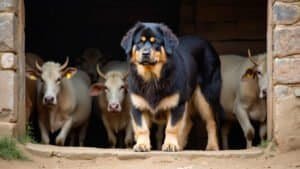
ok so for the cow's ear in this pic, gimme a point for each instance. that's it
(69, 72)
(32, 74)
(125, 86)
(170, 39)
(249, 73)
(127, 40)
(96, 88)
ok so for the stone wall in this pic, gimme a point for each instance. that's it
(11, 68)
(286, 73)
(285, 50)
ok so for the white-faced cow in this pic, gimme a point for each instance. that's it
(63, 102)
(113, 101)
(243, 94)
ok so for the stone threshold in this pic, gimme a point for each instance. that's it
(88, 153)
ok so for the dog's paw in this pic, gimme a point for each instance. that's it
(170, 147)
(142, 147)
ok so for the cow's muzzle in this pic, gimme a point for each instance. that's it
(49, 100)
(114, 107)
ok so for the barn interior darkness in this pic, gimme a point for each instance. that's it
(59, 28)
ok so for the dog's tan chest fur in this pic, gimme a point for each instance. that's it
(165, 104)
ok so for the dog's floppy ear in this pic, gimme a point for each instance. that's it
(127, 40)
(170, 39)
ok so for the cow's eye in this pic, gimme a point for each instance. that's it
(58, 80)
(122, 87)
(259, 73)
(106, 88)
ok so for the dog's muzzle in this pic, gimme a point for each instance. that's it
(146, 60)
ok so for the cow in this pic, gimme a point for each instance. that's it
(243, 94)
(31, 85)
(88, 61)
(63, 102)
(113, 101)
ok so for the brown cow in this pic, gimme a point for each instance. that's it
(31, 85)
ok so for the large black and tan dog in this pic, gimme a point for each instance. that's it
(167, 75)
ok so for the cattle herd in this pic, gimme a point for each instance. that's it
(62, 98)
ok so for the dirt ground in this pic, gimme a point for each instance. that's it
(269, 161)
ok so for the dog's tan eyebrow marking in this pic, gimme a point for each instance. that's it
(152, 39)
(143, 38)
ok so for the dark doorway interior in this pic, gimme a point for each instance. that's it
(56, 29)
(59, 28)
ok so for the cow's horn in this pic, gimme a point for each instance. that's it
(39, 68)
(99, 72)
(65, 64)
(251, 58)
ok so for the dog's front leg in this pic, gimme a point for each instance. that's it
(141, 124)
(176, 124)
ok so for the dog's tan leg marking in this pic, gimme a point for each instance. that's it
(142, 133)
(207, 115)
(176, 135)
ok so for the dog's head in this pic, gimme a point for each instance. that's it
(148, 42)
(149, 45)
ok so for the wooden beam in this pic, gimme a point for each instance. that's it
(270, 98)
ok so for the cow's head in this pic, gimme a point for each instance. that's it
(51, 75)
(115, 89)
(260, 69)
(88, 61)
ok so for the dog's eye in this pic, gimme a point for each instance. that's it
(152, 39)
(143, 38)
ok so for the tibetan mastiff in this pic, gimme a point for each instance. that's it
(168, 76)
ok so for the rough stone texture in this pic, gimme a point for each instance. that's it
(8, 96)
(284, 13)
(8, 61)
(286, 117)
(7, 5)
(7, 129)
(286, 40)
(125, 154)
(288, 0)
(287, 70)
(7, 23)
